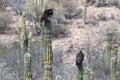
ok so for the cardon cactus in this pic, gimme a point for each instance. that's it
(48, 55)
(79, 72)
(25, 43)
(23, 36)
(23, 32)
(27, 61)
(23, 23)
(27, 67)
(109, 45)
(113, 69)
(114, 63)
(22, 45)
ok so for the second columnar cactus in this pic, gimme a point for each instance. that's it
(48, 55)
(109, 45)
(114, 63)
(27, 67)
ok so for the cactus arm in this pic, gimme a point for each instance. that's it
(29, 41)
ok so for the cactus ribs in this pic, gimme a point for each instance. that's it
(47, 14)
(79, 58)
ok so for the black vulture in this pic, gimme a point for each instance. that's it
(46, 14)
(79, 58)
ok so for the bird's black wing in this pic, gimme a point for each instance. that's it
(46, 14)
(79, 58)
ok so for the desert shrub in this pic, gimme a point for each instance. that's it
(115, 3)
(17, 5)
(58, 31)
(4, 21)
(70, 9)
(105, 16)
(100, 3)
(3, 4)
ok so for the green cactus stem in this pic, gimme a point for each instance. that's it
(22, 44)
(27, 67)
(112, 68)
(23, 24)
(109, 45)
(25, 43)
(24, 32)
(29, 41)
(48, 55)
(79, 72)
(114, 63)
(115, 53)
(22, 38)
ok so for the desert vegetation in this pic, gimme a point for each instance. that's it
(31, 49)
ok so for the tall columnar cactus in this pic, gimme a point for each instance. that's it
(27, 60)
(27, 67)
(23, 32)
(23, 37)
(114, 63)
(48, 55)
(113, 69)
(22, 44)
(109, 45)
(23, 24)
(79, 72)
(25, 43)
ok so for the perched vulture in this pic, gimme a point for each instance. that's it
(46, 14)
(79, 58)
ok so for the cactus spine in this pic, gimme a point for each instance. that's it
(48, 55)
